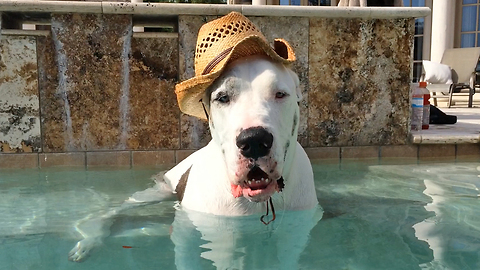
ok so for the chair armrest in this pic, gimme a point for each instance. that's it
(473, 78)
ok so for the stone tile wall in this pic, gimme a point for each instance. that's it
(359, 73)
(19, 101)
(91, 86)
(102, 89)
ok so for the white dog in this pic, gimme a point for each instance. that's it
(254, 122)
(252, 164)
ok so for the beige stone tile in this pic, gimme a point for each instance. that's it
(399, 151)
(360, 152)
(18, 161)
(76, 159)
(153, 158)
(468, 152)
(154, 116)
(19, 101)
(322, 153)
(182, 154)
(86, 107)
(436, 152)
(109, 159)
(359, 81)
(195, 132)
(399, 154)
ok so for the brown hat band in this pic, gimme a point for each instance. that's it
(217, 59)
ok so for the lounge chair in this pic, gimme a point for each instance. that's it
(462, 62)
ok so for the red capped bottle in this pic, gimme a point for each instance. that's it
(426, 105)
(417, 108)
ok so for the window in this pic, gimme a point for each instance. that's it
(470, 28)
(418, 39)
(470, 25)
(307, 2)
(319, 2)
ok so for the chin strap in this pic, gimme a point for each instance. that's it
(281, 185)
(205, 111)
(273, 212)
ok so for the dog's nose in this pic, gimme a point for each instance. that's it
(254, 142)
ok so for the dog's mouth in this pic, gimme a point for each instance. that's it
(257, 187)
(257, 179)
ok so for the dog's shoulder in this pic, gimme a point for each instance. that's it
(303, 195)
(174, 176)
(201, 164)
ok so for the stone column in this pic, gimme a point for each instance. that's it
(443, 26)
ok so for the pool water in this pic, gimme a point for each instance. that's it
(374, 217)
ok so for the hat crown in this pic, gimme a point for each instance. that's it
(220, 42)
(218, 37)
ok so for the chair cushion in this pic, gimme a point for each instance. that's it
(437, 73)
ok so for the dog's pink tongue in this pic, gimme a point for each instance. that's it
(237, 191)
(257, 195)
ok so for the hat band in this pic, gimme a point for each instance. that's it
(216, 60)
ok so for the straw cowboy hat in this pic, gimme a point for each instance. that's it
(220, 42)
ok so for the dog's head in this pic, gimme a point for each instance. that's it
(254, 118)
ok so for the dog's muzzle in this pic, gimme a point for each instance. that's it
(254, 142)
(257, 182)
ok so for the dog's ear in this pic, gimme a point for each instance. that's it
(295, 79)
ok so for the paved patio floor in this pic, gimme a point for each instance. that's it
(466, 130)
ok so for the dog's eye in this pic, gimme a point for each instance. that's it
(280, 95)
(222, 98)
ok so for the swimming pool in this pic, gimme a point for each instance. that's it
(374, 217)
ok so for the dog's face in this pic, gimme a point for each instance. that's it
(254, 118)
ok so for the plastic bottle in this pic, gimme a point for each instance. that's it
(417, 108)
(426, 105)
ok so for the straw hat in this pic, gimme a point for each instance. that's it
(220, 42)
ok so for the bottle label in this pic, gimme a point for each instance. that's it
(417, 102)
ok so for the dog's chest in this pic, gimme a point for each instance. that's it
(217, 199)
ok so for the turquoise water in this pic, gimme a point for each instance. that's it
(374, 217)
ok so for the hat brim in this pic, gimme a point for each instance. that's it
(190, 92)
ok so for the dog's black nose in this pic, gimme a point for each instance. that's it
(254, 142)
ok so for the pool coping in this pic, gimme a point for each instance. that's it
(419, 138)
(210, 9)
(413, 153)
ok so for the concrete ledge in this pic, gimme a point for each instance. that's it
(51, 6)
(419, 138)
(18, 32)
(210, 9)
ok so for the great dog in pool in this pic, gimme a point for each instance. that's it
(248, 94)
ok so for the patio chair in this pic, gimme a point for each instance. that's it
(462, 63)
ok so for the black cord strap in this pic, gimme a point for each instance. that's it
(273, 213)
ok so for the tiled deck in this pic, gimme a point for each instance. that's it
(466, 130)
